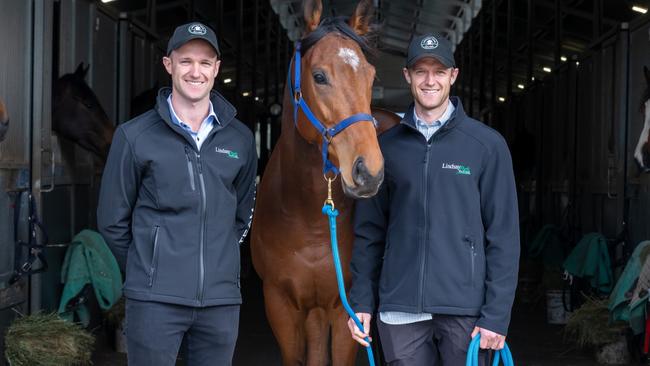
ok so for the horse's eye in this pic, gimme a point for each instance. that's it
(320, 78)
(88, 105)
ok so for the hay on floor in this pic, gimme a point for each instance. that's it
(47, 340)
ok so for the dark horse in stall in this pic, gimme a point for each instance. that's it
(642, 150)
(4, 121)
(290, 240)
(78, 116)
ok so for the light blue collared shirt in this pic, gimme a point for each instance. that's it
(204, 129)
(428, 130)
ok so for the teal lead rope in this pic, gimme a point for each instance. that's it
(331, 212)
(472, 354)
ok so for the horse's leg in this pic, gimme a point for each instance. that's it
(287, 323)
(344, 348)
(317, 327)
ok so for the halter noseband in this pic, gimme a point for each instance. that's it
(327, 133)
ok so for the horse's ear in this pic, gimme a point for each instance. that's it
(646, 72)
(81, 70)
(312, 10)
(362, 17)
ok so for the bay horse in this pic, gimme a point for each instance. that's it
(290, 243)
(642, 150)
(4, 121)
(78, 116)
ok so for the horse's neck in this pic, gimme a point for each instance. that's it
(646, 125)
(3, 113)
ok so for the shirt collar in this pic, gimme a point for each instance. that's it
(212, 116)
(441, 121)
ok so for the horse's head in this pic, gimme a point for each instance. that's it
(336, 83)
(78, 115)
(642, 150)
(4, 121)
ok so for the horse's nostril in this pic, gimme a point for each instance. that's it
(359, 172)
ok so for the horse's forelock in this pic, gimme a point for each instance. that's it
(74, 85)
(335, 25)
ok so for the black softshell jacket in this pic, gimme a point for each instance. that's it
(173, 215)
(442, 234)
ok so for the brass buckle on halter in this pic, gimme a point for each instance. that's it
(329, 200)
(297, 96)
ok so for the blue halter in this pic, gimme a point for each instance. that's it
(327, 133)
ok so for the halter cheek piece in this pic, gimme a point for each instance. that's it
(327, 133)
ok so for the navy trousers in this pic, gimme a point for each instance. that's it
(441, 341)
(154, 332)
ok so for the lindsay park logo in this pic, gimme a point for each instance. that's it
(231, 154)
(460, 169)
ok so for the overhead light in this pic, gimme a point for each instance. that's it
(502, 99)
(245, 94)
(520, 86)
(107, 1)
(563, 58)
(227, 80)
(532, 78)
(547, 69)
(257, 99)
(639, 9)
(577, 63)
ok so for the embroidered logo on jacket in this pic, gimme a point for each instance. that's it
(229, 153)
(460, 169)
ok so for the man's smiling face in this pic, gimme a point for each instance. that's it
(193, 68)
(430, 82)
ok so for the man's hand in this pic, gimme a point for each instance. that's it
(357, 334)
(489, 339)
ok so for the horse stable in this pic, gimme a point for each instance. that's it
(565, 82)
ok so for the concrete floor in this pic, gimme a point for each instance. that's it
(533, 342)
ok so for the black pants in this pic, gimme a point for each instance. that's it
(441, 341)
(154, 332)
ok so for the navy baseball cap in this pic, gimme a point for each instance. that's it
(187, 32)
(430, 45)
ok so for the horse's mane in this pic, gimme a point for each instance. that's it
(335, 25)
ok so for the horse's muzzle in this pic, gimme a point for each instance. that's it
(366, 184)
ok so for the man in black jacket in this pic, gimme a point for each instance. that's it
(436, 250)
(175, 204)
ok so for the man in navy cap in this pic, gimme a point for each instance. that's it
(437, 249)
(176, 202)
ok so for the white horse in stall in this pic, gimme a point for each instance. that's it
(642, 150)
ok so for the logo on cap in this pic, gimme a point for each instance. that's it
(197, 29)
(429, 43)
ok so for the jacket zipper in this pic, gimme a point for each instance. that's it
(423, 249)
(238, 267)
(473, 259)
(152, 269)
(190, 169)
(202, 235)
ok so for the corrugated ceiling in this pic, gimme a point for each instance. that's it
(399, 20)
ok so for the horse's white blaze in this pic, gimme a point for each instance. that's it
(638, 153)
(349, 57)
